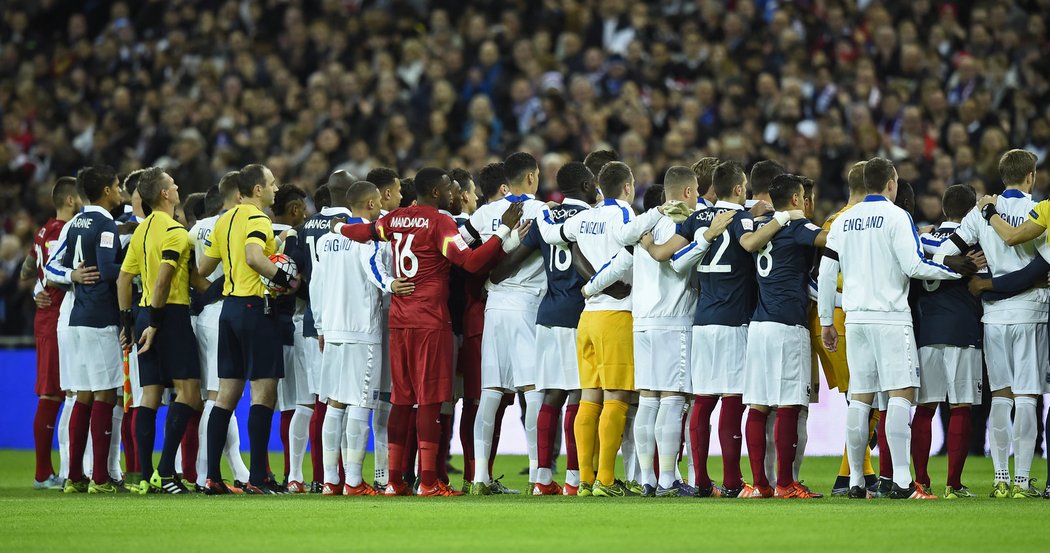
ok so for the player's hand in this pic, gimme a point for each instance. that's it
(335, 221)
(760, 208)
(647, 241)
(85, 275)
(127, 228)
(830, 336)
(146, 341)
(402, 287)
(678, 211)
(978, 259)
(512, 216)
(320, 343)
(42, 300)
(617, 290)
(986, 201)
(523, 229)
(978, 286)
(961, 264)
(719, 225)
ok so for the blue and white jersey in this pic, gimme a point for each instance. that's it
(727, 270)
(783, 267)
(529, 278)
(948, 313)
(312, 231)
(91, 239)
(563, 303)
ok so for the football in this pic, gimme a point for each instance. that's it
(288, 265)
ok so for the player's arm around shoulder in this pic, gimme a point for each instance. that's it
(1033, 227)
(753, 239)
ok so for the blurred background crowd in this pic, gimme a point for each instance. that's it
(312, 86)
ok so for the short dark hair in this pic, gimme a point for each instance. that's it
(229, 184)
(614, 178)
(91, 181)
(64, 188)
(654, 197)
(491, 177)
(958, 200)
(381, 177)
(518, 165)
(194, 205)
(572, 175)
(704, 169)
(1015, 165)
(600, 158)
(285, 195)
(726, 176)
(762, 175)
(808, 185)
(877, 172)
(461, 176)
(905, 197)
(150, 184)
(213, 202)
(678, 177)
(250, 176)
(408, 192)
(131, 181)
(341, 176)
(783, 187)
(427, 179)
(855, 177)
(359, 191)
(322, 197)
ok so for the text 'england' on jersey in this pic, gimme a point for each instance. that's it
(563, 303)
(727, 270)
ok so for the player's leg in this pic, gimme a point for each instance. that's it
(402, 397)
(533, 405)
(997, 350)
(1029, 369)
(468, 364)
(79, 418)
(49, 391)
(730, 370)
(116, 422)
(643, 426)
(182, 367)
(898, 373)
(546, 431)
(964, 378)
(447, 417)
(433, 368)
(312, 365)
(614, 355)
(669, 440)
(493, 353)
(296, 382)
(759, 374)
(628, 451)
(105, 373)
(863, 384)
(230, 372)
(572, 462)
(361, 391)
(585, 425)
(63, 435)
(332, 437)
(933, 389)
(380, 430)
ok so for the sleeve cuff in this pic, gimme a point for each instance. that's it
(782, 217)
(827, 321)
(503, 232)
(338, 229)
(587, 290)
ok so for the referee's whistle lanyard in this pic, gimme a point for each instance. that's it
(267, 309)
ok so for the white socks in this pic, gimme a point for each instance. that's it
(898, 436)
(856, 440)
(645, 438)
(484, 423)
(331, 438)
(232, 451)
(202, 438)
(356, 444)
(380, 419)
(63, 437)
(688, 449)
(770, 460)
(999, 436)
(533, 403)
(1025, 435)
(298, 436)
(803, 437)
(627, 446)
(114, 443)
(668, 437)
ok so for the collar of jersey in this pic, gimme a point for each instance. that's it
(948, 225)
(96, 209)
(356, 220)
(1013, 193)
(281, 227)
(574, 201)
(730, 205)
(512, 198)
(333, 211)
(616, 202)
(876, 198)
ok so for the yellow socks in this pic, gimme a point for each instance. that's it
(610, 434)
(586, 429)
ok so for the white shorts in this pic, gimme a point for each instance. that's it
(349, 373)
(508, 346)
(207, 330)
(779, 366)
(556, 367)
(98, 362)
(312, 362)
(949, 371)
(294, 388)
(1017, 357)
(661, 360)
(719, 354)
(66, 357)
(881, 357)
(133, 377)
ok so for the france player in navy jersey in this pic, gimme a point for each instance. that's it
(778, 372)
(558, 315)
(92, 240)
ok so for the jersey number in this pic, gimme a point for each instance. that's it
(78, 254)
(407, 263)
(560, 259)
(714, 266)
(764, 262)
(311, 243)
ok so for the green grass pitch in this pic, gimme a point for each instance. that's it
(51, 521)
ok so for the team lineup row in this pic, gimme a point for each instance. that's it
(581, 305)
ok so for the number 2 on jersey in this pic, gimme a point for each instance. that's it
(713, 266)
(406, 261)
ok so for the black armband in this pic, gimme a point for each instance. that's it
(156, 316)
(127, 321)
(988, 211)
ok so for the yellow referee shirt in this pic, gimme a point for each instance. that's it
(1040, 214)
(157, 240)
(238, 227)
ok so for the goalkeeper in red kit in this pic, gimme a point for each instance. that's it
(425, 245)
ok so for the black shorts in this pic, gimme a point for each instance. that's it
(249, 345)
(173, 355)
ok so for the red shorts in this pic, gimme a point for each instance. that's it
(420, 366)
(45, 327)
(469, 366)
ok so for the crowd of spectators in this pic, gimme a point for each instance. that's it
(311, 86)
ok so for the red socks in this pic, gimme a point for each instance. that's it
(411, 444)
(190, 446)
(885, 461)
(43, 435)
(443, 447)
(428, 427)
(729, 438)
(466, 437)
(79, 424)
(959, 429)
(286, 424)
(545, 431)
(755, 432)
(572, 462)
(127, 439)
(785, 434)
(921, 437)
(316, 451)
(101, 434)
(397, 429)
(700, 437)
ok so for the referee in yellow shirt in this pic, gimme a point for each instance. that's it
(159, 252)
(249, 345)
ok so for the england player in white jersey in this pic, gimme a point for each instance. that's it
(1015, 328)
(875, 247)
(207, 332)
(508, 343)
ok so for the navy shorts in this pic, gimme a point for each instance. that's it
(249, 345)
(173, 355)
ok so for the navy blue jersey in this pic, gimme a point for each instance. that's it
(948, 313)
(457, 287)
(563, 302)
(727, 270)
(284, 306)
(92, 240)
(314, 227)
(783, 267)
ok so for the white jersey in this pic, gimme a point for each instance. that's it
(346, 290)
(483, 224)
(876, 248)
(200, 236)
(1013, 206)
